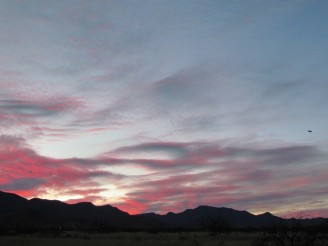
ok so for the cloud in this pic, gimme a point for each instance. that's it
(231, 190)
(29, 108)
(195, 173)
(38, 118)
(23, 170)
(176, 150)
(174, 99)
(22, 184)
(221, 175)
(8, 143)
(155, 87)
(202, 153)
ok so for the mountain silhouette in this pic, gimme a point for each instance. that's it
(18, 213)
(191, 218)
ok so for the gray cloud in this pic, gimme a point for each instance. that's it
(126, 75)
(22, 184)
(197, 173)
(178, 150)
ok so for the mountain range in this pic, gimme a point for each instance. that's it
(18, 213)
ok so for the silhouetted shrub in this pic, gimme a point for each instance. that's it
(215, 225)
(294, 232)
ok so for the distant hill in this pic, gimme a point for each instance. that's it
(192, 218)
(17, 213)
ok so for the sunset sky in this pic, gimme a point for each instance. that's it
(157, 106)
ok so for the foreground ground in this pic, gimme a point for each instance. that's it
(131, 239)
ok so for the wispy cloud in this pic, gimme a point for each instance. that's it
(51, 107)
(23, 170)
(155, 107)
(191, 174)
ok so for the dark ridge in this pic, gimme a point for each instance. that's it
(50, 215)
(84, 205)
(10, 203)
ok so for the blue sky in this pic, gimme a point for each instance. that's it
(111, 101)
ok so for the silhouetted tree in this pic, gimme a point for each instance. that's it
(215, 225)
(294, 232)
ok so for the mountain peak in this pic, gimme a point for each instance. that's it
(44, 200)
(37, 212)
(266, 215)
(84, 204)
(7, 195)
(203, 206)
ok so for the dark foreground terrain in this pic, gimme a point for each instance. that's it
(145, 238)
(132, 238)
(50, 222)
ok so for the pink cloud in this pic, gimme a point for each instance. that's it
(197, 174)
(26, 172)
(132, 206)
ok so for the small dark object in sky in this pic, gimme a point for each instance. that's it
(309, 130)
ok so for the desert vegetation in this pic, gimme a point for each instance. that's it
(280, 234)
(294, 232)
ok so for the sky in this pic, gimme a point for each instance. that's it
(158, 106)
